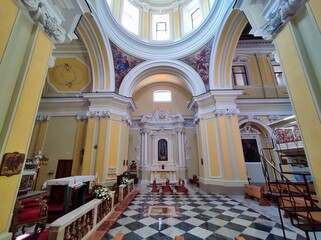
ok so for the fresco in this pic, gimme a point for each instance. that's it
(123, 63)
(200, 62)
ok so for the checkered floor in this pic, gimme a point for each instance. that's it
(202, 216)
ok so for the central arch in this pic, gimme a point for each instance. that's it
(192, 80)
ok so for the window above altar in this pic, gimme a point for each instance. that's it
(162, 96)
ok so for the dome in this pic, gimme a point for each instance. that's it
(158, 29)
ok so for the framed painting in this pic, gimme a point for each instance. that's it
(250, 150)
(162, 150)
(12, 164)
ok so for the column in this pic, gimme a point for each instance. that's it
(144, 133)
(181, 152)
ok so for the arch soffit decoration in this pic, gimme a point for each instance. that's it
(100, 53)
(223, 49)
(148, 68)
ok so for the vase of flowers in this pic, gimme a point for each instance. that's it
(102, 193)
(125, 180)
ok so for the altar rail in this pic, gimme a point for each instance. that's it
(83, 221)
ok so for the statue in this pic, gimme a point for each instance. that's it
(162, 150)
(154, 187)
(133, 166)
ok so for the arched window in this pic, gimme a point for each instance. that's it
(162, 96)
(161, 27)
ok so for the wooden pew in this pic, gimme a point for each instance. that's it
(252, 191)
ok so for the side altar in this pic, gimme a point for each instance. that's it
(162, 146)
(162, 172)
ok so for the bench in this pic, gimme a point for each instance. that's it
(252, 191)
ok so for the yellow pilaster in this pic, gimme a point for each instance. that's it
(301, 96)
(41, 135)
(238, 150)
(176, 24)
(316, 10)
(39, 51)
(78, 146)
(255, 73)
(212, 147)
(8, 13)
(145, 25)
(114, 142)
(263, 65)
(200, 149)
(101, 148)
(88, 146)
(224, 142)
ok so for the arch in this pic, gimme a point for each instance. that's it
(258, 123)
(223, 50)
(148, 68)
(99, 51)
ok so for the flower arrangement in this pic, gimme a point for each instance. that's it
(102, 193)
(125, 180)
(30, 164)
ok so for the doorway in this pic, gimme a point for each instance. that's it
(64, 168)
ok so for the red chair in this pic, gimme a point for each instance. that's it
(27, 213)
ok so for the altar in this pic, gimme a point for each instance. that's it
(162, 172)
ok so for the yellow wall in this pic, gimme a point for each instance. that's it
(8, 13)
(11, 66)
(304, 106)
(25, 111)
(144, 100)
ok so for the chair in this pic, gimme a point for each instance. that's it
(29, 212)
(59, 201)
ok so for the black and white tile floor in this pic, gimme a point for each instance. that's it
(202, 216)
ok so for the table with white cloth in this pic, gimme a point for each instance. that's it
(70, 181)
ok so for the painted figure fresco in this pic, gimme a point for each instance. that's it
(123, 63)
(200, 62)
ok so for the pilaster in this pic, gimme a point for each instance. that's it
(222, 165)
(78, 151)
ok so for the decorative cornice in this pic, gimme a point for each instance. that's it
(82, 117)
(40, 14)
(227, 112)
(104, 114)
(92, 114)
(43, 118)
(280, 16)
(127, 119)
(163, 116)
(51, 62)
(273, 14)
